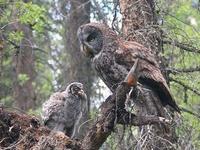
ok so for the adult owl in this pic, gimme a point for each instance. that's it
(113, 57)
(62, 112)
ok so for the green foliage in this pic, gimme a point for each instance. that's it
(26, 13)
(7, 101)
(182, 24)
(182, 29)
(22, 78)
(2, 2)
(189, 131)
(16, 36)
(15, 15)
(31, 14)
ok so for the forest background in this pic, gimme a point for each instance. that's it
(39, 54)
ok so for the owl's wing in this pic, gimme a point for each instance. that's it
(73, 113)
(149, 71)
(77, 124)
(52, 107)
(130, 50)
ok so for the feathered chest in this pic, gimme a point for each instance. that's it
(72, 102)
(72, 108)
(108, 69)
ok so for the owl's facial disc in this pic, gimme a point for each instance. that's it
(91, 40)
(77, 89)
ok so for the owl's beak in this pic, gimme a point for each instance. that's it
(87, 49)
(82, 93)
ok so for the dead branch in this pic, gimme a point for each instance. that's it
(127, 118)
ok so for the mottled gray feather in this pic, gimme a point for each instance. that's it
(63, 109)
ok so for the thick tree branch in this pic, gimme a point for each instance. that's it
(21, 131)
(112, 111)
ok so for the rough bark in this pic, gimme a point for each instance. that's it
(139, 24)
(113, 112)
(1, 56)
(21, 131)
(76, 66)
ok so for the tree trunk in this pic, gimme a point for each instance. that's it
(23, 69)
(139, 24)
(139, 20)
(77, 67)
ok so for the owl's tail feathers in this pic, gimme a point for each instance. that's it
(166, 98)
(174, 106)
(162, 91)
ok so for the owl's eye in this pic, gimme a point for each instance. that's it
(91, 37)
(76, 88)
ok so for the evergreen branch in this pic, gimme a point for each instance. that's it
(183, 46)
(183, 70)
(185, 86)
(190, 112)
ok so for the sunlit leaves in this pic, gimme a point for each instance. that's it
(32, 15)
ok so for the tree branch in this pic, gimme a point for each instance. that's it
(185, 86)
(20, 130)
(186, 47)
(183, 70)
(18, 46)
(127, 118)
(190, 112)
(111, 111)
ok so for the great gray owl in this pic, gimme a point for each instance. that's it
(63, 110)
(113, 57)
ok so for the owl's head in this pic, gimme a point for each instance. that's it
(76, 89)
(93, 36)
